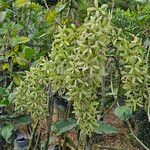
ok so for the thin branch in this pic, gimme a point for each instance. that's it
(107, 147)
(33, 135)
(37, 141)
(65, 117)
(136, 138)
(50, 113)
(119, 87)
(146, 80)
(46, 5)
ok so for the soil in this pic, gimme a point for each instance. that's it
(120, 141)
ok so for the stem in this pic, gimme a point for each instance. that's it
(37, 141)
(136, 138)
(66, 116)
(46, 4)
(88, 144)
(78, 139)
(119, 87)
(33, 135)
(132, 133)
(69, 9)
(146, 80)
(103, 96)
(50, 112)
(110, 148)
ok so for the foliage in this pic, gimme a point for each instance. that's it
(72, 49)
(77, 64)
(87, 59)
(64, 125)
(143, 126)
(25, 36)
(134, 21)
(104, 128)
(31, 94)
(135, 72)
(123, 112)
(125, 5)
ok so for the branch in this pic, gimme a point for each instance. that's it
(33, 135)
(50, 113)
(136, 138)
(119, 87)
(146, 80)
(110, 148)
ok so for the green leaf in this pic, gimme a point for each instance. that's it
(64, 125)
(23, 119)
(29, 52)
(5, 66)
(22, 3)
(104, 128)
(2, 91)
(11, 97)
(7, 131)
(19, 40)
(60, 7)
(50, 16)
(23, 39)
(2, 16)
(4, 102)
(3, 30)
(123, 112)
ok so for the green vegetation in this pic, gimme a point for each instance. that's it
(81, 58)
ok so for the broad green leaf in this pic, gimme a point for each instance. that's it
(64, 125)
(23, 119)
(123, 112)
(4, 102)
(104, 128)
(7, 131)
(29, 52)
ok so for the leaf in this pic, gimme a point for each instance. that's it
(11, 97)
(3, 30)
(16, 79)
(82, 4)
(5, 66)
(7, 131)
(29, 52)
(123, 112)
(23, 39)
(50, 16)
(19, 40)
(4, 102)
(104, 128)
(2, 16)
(22, 3)
(23, 119)
(60, 7)
(64, 125)
(2, 91)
